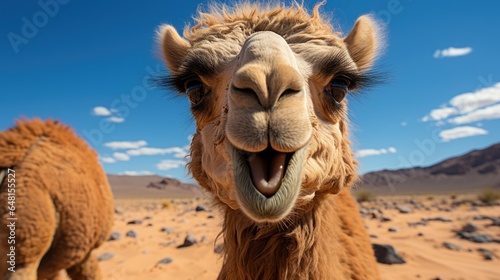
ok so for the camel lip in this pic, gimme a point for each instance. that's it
(258, 206)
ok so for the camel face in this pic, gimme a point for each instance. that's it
(270, 106)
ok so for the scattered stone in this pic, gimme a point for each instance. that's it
(167, 229)
(385, 219)
(131, 233)
(134, 222)
(200, 208)
(403, 209)
(165, 261)
(118, 211)
(105, 257)
(487, 254)
(437, 219)
(437, 278)
(495, 222)
(189, 241)
(415, 224)
(203, 239)
(481, 217)
(477, 238)
(451, 246)
(219, 248)
(210, 217)
(373, 236)
(420, 234)
(469, 228)
(387, 254)
(393, 229)
(114, 236)
(147, 218)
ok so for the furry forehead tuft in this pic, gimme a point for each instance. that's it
(253, 17)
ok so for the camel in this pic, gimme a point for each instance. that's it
(267, 87)
(63, 203)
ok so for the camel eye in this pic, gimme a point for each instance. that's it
(195, 90)
(338, 88)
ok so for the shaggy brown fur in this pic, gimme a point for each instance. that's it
(64, 205)
(316, 232)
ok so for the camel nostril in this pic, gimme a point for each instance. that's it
(248, 91)
(289, 91)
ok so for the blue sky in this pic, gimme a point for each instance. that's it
(86, 63)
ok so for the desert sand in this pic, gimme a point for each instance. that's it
(161, 225)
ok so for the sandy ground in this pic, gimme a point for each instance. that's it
(421, 246)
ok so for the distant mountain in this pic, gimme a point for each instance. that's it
(476, 170)
(151, 186)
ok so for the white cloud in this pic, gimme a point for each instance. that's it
(137, 173)
(442, 113)
(167, 164)
(107, 159)
(404, 123)
(121, 156)
(178, 152)
(461, 132)
(468, 102)
(125, 144)
(116, 119)
(374, 152)
(451, 52)
(488, 113)
(468, 107)
(100, 111)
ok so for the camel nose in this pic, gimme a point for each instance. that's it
(267, 84)
(267, 97)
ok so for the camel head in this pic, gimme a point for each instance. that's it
(267, 88)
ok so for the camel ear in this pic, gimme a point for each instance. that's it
(363, 42)
(173, 46)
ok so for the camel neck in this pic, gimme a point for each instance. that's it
(329, 241)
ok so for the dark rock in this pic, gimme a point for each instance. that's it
(495, 222)
(403, 209)
(393, 229)
(481, 217)
(200, 208)
(165, 261)
(451, 246)
(105, 257)
(219, 248)
(385, 219)
(134, 222)
(469, 228)
(387, 254)
(147, 218)
(131, 233)
(420, 234)
(373, 236)
(477, 238)
(166, 229)
(438, 219)
(415, 224)
(487, 254)
(210, 217)
(437, 278)
(114, 236)
(189, 241)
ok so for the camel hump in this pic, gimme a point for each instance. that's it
(16, 141)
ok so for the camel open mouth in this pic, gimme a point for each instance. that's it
(267, 183)
(267, 170)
